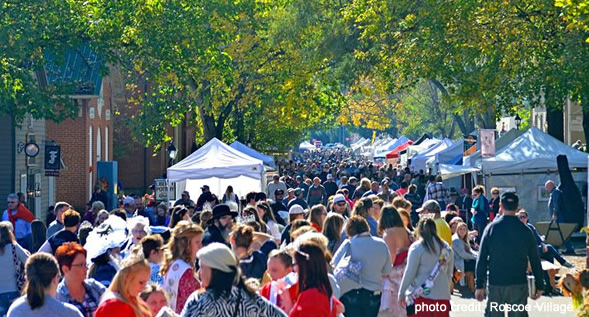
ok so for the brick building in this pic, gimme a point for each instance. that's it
(88, 138)
(139, 165)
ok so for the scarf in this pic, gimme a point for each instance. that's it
(21, 213)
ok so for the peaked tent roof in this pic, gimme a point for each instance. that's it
(419, 161)
(533, 150)
(451, 155)
(424, 137)
(398, 142)
(422, 147)
(267, 159)
(395, 153)
(475, 158)
(216, 159)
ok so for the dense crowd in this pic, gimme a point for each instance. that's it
(332, 235)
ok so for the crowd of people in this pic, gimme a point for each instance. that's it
(329, 237)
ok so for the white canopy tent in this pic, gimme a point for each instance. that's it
(533, 150)
(267, 159)
(449, 171)
(451, 155)
(217, 165)
(474, 159)
(418, 162)
(410, 152)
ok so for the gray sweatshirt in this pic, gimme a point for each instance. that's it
(420, 264)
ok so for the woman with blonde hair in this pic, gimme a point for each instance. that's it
(122, 298)
(101, 216)
(464, 257)
(42, 273)
(178, 268)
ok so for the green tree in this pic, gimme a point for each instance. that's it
(214, 63)
(487, 57)
(28, 31)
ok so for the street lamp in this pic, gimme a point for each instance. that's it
(34, 191)
(172, 152)
(518, 121)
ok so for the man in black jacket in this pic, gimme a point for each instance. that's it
(506, 247)
(219, 225)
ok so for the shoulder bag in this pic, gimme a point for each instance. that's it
(19, 268)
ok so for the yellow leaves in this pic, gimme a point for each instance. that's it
(368, 105)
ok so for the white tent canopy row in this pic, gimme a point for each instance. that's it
(533, 150)
(418, 162)
(449, 171)
(411, 151)
(217, 165)
(474, 159)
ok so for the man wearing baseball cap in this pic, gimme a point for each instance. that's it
(298, 200)
(507, 247)
(330, 186)
(185, 200)
(431, 208)
(277, 206)
(274, 185)
(204, 197)
(295, 212)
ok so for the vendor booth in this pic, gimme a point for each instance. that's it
(217, 165)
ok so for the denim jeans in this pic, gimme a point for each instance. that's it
(5, 300)
(551, 255)
(361, 303)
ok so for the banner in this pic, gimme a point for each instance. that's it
(470, 144)
(52, 157)
(487, 142)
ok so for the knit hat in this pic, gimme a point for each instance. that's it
(218, 256)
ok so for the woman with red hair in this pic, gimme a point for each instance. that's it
(75, 289)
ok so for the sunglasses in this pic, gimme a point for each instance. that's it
(523, 217)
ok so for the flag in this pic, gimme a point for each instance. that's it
(470, 144)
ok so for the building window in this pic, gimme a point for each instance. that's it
(98, 145)
(106, 158)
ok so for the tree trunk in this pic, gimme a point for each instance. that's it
(555, 121)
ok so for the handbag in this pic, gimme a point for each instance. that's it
(347, 268)
(19, 268)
